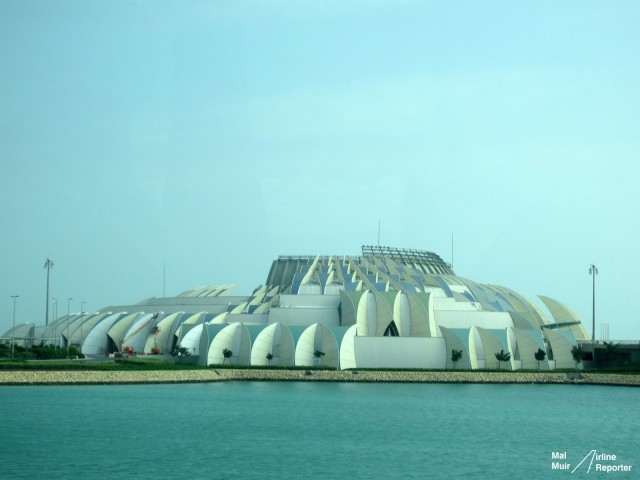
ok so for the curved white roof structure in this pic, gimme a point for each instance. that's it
(96, 339)
(327, 304)
(234, 338)
(317, 339)
(135, 337)
(275, 340)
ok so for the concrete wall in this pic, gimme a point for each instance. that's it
(323, 301)
(304, 316)
(400, 352)
(249, 318)
(462, 319)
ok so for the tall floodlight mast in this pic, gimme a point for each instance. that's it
(55, 319)
(593, 271)
(13, 329)
(48, 265)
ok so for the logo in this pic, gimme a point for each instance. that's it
(592, 462)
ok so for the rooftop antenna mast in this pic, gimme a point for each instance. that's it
(378, 232)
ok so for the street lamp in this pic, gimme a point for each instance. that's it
(48, 265)
(13, 330)
(55, 319)
(81, 319)
(68, 314)
(593, 271)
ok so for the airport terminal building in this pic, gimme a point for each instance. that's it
(385, 308)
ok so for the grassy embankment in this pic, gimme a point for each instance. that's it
(151, 364)
(107, 366)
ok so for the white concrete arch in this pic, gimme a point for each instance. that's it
(73, 322)
(194, 292)
(366, 317)
(21, 334)
(263, 308)
(392, 266)
(240, 308)
(234, 337)
(337, 274)
(83, 326)
(51, 333)
(524, 320)
(561, 342)
(317, 337)
(219, 319)
(349, 302)
(96, 341)
(492, 343)
(191, 340)
(188, 324)
(162, 338)
(56, 334)
(310, 284)
(402, 314)
(347, 349)
(119, 329)
(411, 314)
(54, 330)
(537, 312)
(374, 313)
(422, 318)
(457, 339)
(528, 343)
(560, 313)
(563, 314)
(277, 340)
(259, 289)
(209, 291)
(136, 336)
(334, 284)
(522, 304)
(360, 277)
(476, 352)
(257, 300)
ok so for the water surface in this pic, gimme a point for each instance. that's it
(263, 430)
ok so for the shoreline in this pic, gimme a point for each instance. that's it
(88, 377)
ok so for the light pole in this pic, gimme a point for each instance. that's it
(593, 271)
(48, 265)
(55, 319)
(81, 319)
(13, 330)
(68, 315)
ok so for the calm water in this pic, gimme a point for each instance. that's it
(305, 430)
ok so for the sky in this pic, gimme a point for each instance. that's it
(150, 145)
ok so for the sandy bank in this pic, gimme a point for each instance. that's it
(225, 375)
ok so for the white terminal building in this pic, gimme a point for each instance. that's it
(386, 308)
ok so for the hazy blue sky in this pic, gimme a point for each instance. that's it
(217, 135)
